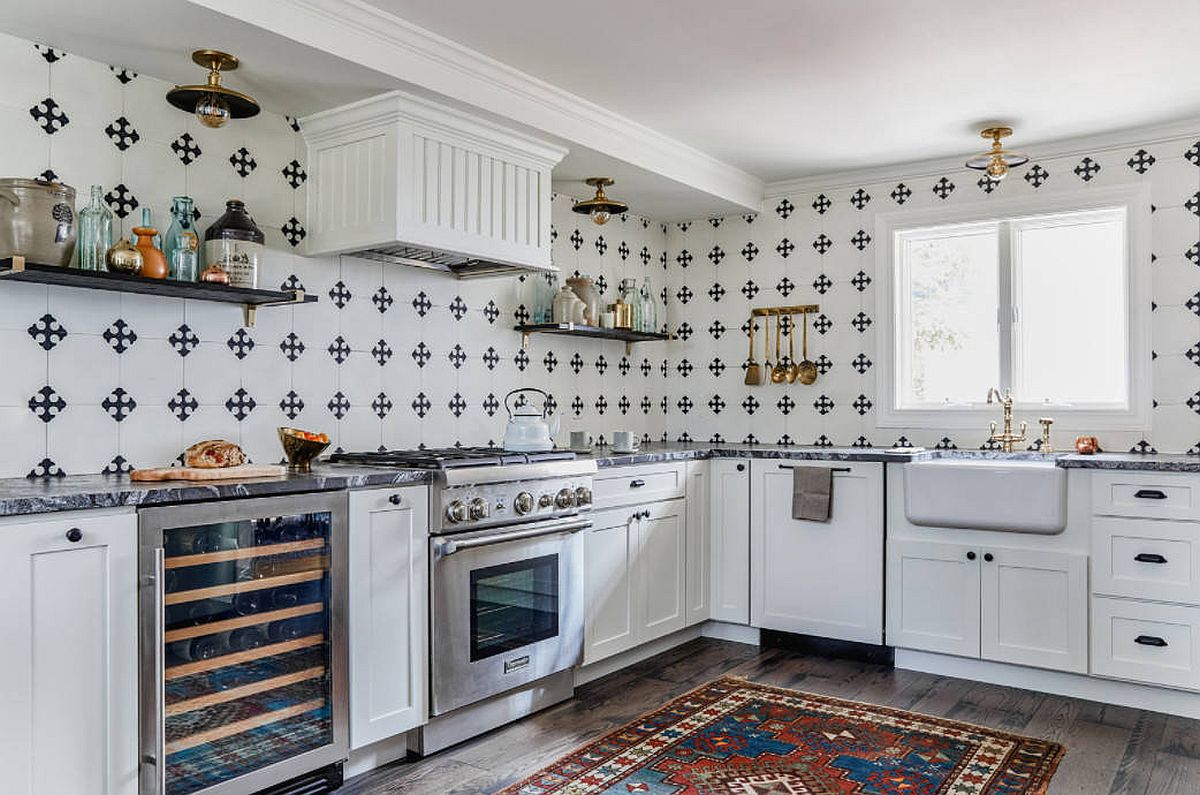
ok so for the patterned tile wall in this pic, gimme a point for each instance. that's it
(816, 248)
(389, 356)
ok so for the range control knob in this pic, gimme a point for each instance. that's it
(456, 512)
(583, 496)
(565, 498)
(523, 504)
(545, 501)
(479, 509)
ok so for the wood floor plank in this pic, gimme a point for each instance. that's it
(1110, 749)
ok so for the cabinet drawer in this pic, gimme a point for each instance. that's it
(1146, 559)
(1151, 496)
(637, 484)
(51, 530)
(1144, 642)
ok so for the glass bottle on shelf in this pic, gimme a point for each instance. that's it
(235, 244)
(182, 245)
(95, 232)
(649, 309)
(148, 220)
(547, 289)
(629, 295)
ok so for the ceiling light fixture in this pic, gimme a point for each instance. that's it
(600, 207)
(999, 160)
(213, 103)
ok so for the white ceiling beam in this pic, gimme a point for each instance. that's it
(368, 36)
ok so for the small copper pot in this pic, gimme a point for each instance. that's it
(1087, 445)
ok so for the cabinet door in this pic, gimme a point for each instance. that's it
(933, 597)
(68, 671)
(610, 548)
(729, 539)
(818, 578)
(1034, 608)
(389, 604)
(661, 563)
(698, 590)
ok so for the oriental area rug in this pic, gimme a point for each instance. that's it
(735, 737)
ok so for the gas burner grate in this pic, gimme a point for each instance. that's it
(449, 457)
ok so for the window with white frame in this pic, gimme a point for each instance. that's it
(1044, 304)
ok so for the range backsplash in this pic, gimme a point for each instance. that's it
(389, 356)
(817, 247)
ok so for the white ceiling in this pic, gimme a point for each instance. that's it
(789, 88)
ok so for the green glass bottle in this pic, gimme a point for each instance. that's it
(95, 232)
(182, 244)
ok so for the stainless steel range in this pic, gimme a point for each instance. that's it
(506, 583)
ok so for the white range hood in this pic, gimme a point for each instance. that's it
(402, 179)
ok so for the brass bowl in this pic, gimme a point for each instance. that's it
(300, 452)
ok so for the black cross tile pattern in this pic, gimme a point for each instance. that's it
(861, 239)
(684, 258)
(382, 299)
(50, 54)
(338, 405)
(491, 404)
(240, 404)
(1087, 169)
(749, 289)
(458, 308)
(784, 209)
(1141, 161)
(421, 303)
(186, 149)
(183, 404)
(521, 360)
(821, 244)
(382, 405)
(124, 76)
(46, 404)
(822, 204)
(121, 201)
(1037, 176)
(715, 255)
(240, 343)
(49, 116)
(294, 232)
(117, 466)
(860, 198)
(943, 188)
(491, 358)
(243, 162)
(340, 294)
(183, 340)
(1192, 205)
(120, 336)
(47, 176)
(458, 357)
(45, 469)
(47, 331)
(421, 354)
(601, 245)
(822, 284)
(749, 251)
(491, 312)
(291, 405)
(623, 250)
(294, 174)
(576, 239)
(122, 133)
(987, 184)
(119, 404)
(901, 193)
(860, 281)
(785, 248)
(292, 282)
(339, 349)
(381, 352)
(291, 346)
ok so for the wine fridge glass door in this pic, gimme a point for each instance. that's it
(244, 611)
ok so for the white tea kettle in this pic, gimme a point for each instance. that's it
(530, 429)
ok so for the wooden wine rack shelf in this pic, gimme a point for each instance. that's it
(184, 561)
(237, 727)
(251, 620)
(234, 693)
(228, 589)
(237, 658)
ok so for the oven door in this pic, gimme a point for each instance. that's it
(507, 609)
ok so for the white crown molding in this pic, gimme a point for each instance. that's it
(1066, 147)
(376, 39)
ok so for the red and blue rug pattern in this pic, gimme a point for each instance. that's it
(736, 737)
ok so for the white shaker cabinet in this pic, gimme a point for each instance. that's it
(933, 597)
(698, 590)
(634, 576)
(818, 578)
(729, 539)
(68, 670)
(388, 612)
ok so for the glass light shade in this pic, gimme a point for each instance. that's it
(212, 110)
(600, 216)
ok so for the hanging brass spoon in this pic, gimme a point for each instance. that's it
(779, 371)
(753, 373)
(806, 371)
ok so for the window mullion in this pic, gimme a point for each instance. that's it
(1005, 310)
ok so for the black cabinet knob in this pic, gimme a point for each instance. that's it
(741, 467)
(1149, 557)
(1149, 494)
(1150, 640)
(74, 534)
(394, 499)
(970, 556)
(636, 483)
(987, 556)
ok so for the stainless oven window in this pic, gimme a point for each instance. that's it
(513, 605)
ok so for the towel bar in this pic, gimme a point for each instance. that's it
(835, 469)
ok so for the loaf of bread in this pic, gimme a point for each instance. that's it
(213, 454)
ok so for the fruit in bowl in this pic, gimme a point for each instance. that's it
(302, 447)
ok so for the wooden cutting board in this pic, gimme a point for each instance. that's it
(243, 472)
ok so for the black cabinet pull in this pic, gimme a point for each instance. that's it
(1149, 494)
(394, 499)
(1149, 557)
(637, 483)
(970, 556)
(1150, 640)
(741, 467)
(988, 557)
(74, 534)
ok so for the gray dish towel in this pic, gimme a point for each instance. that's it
(812, 489)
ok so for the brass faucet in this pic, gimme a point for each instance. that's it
(1007, 438)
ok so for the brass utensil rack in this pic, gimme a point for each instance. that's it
(777, 312)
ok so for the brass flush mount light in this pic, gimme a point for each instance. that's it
(213, 103)
(999, 160)
(600, 207)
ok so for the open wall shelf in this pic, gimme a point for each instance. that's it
(628, 336)
(17, 269)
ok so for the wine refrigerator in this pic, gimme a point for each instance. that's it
(243, 661)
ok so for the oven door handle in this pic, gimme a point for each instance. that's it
(448, 546)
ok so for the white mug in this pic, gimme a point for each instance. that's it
(581, 440)
(625, 442)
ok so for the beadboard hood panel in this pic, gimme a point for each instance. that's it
(401, 179)
(388, 356)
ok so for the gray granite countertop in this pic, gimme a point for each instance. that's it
(79, 492)
(20, 496)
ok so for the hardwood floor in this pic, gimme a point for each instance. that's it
(1110, 749)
